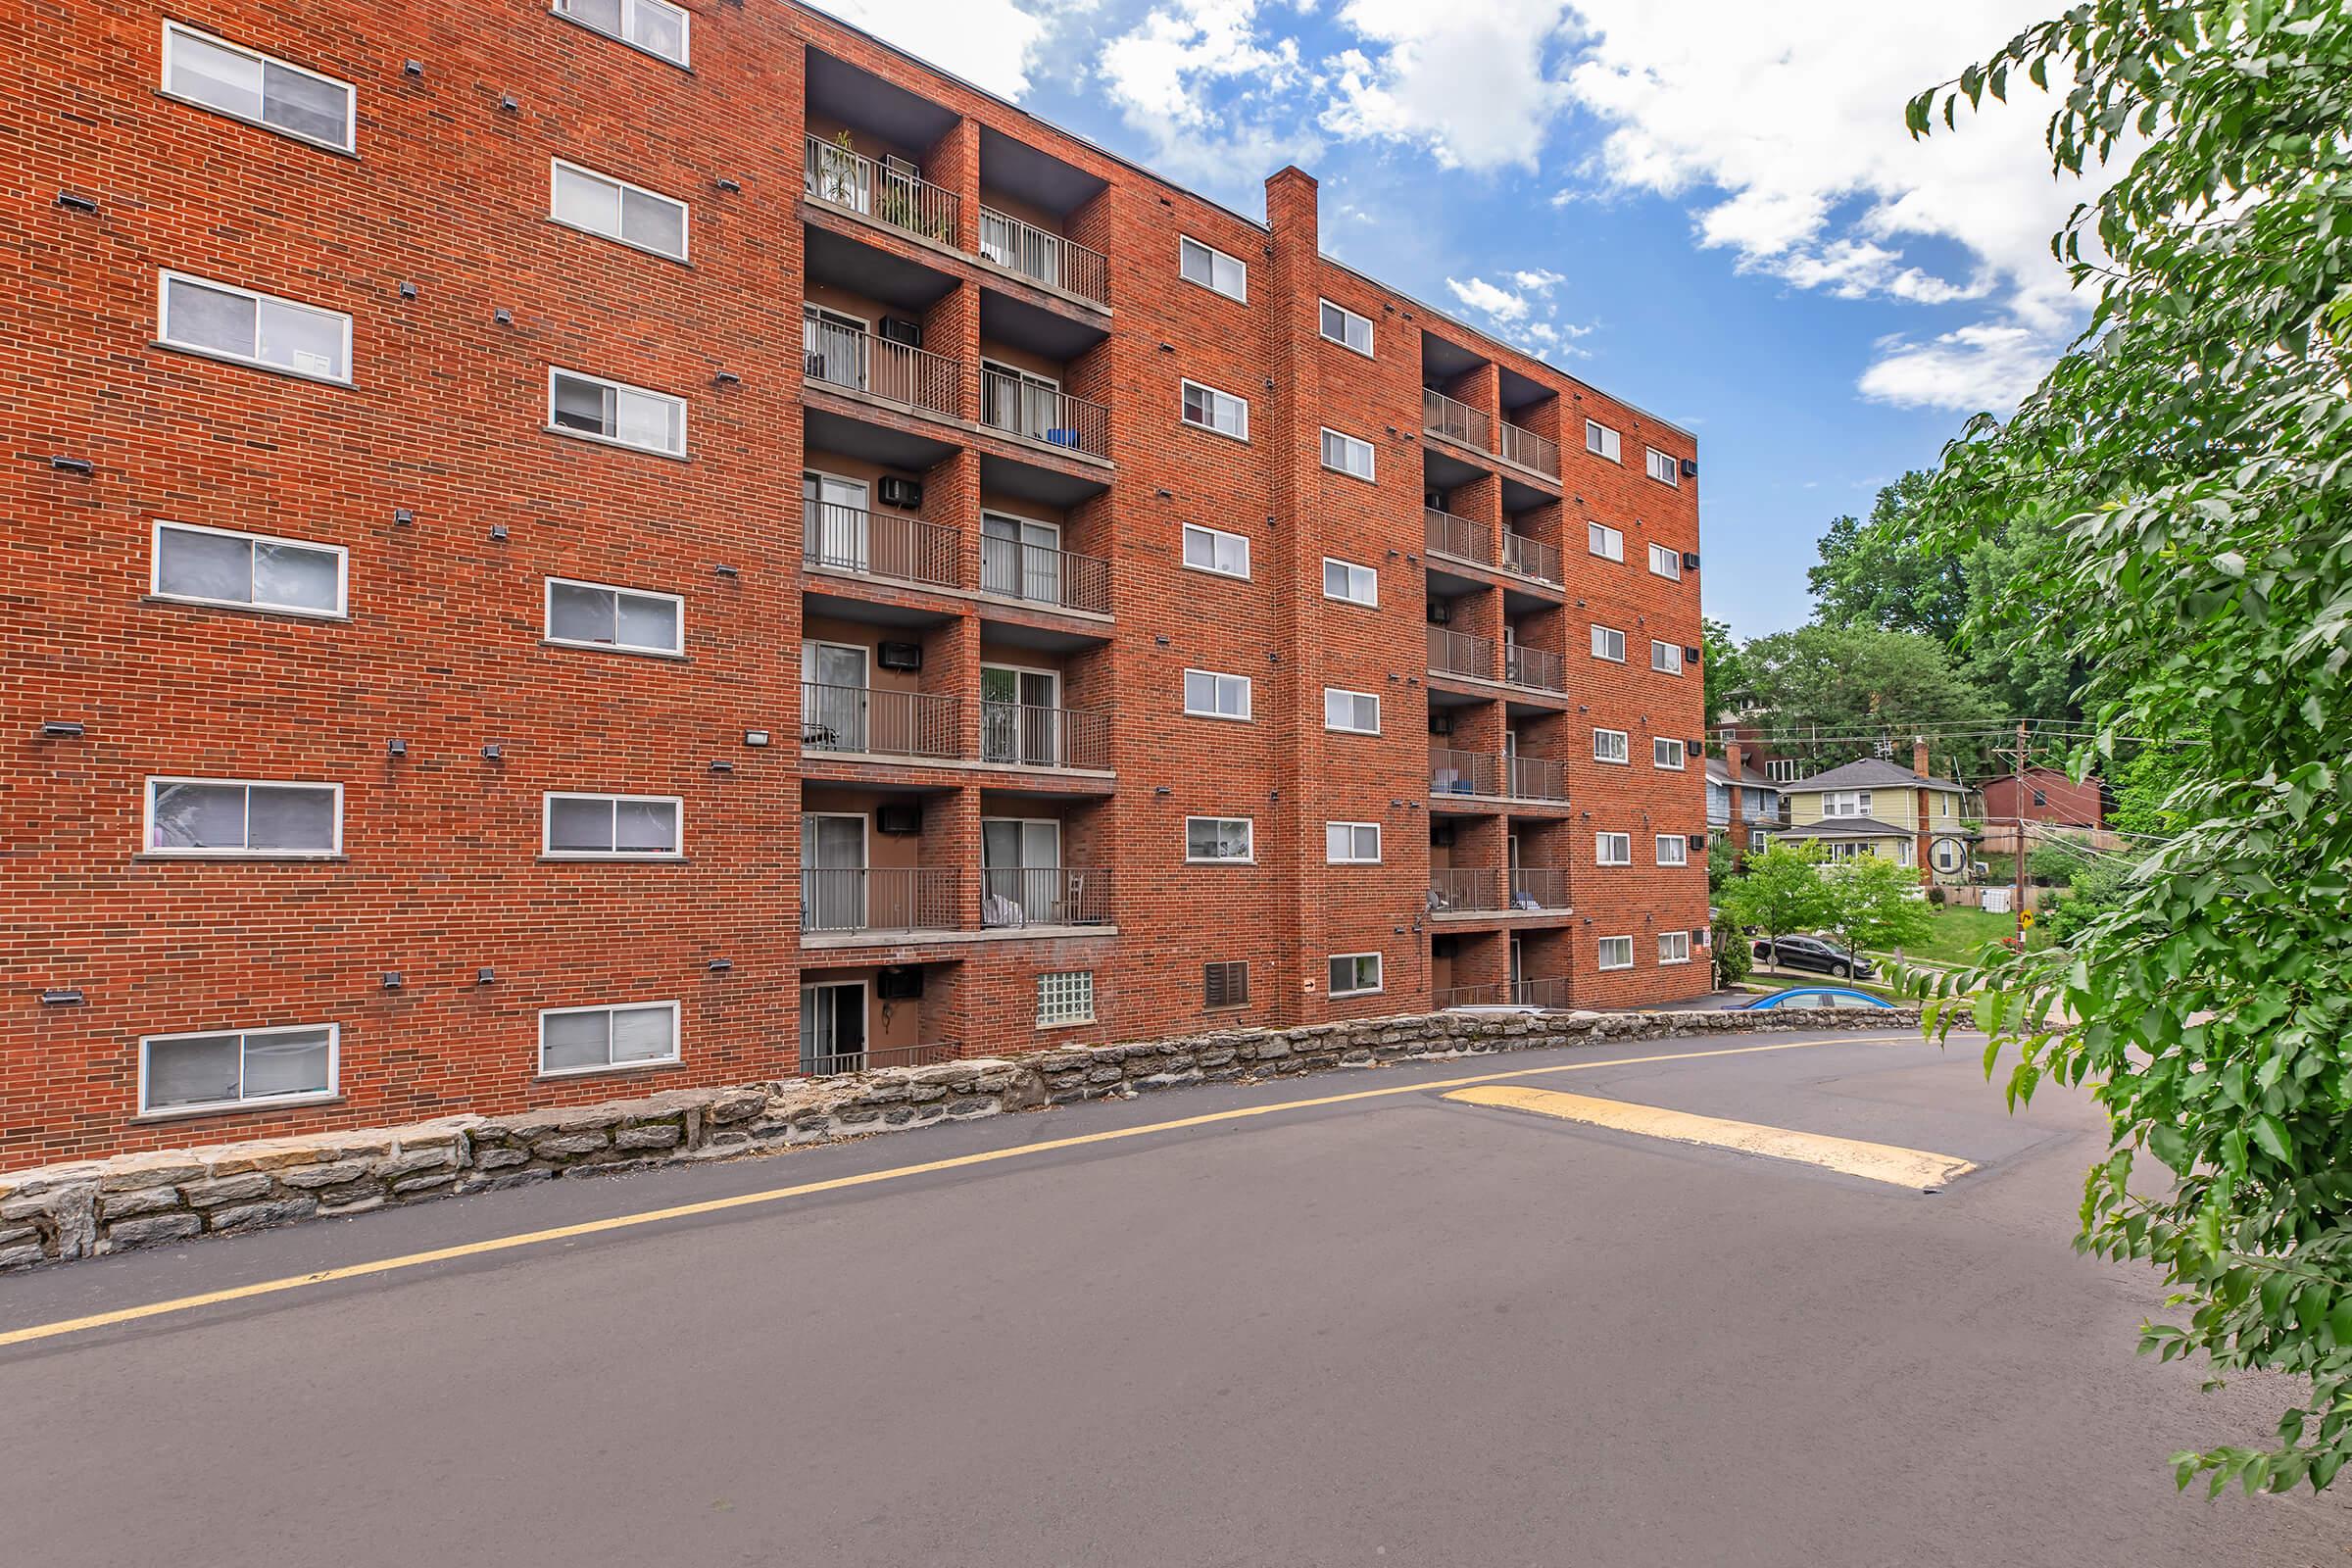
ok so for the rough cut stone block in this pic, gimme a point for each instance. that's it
(157, 1228)
(659, 1136)
(569, 1146)
(499, 1158)
(739, 1106)
(134, 1171)
(312, 1177)
(431, 1181)
(20, 1257)
(228, 1189)
(146, 1200)
(408, 1162)
(254, 1216)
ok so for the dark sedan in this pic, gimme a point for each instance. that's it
(1811, 952)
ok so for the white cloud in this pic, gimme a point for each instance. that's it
(1540, 281)
(990, 43)
(1989, 366)
(1463, 78)
(1509, 314)
(1484, 297)
(1199, 78)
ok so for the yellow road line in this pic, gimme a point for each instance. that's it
(1878, 1162)
(715, 1205)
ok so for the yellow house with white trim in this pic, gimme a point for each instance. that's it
(1872, 808)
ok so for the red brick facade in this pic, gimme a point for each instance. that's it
(437, 470)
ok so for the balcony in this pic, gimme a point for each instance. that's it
(1449, 535)
(1457, 653)
(1456, 421)
(1458, 772)
(895, 373)
(879, 544)
(1020, 406)
(1053, 895)
(869, 721)
(1547, 992)
(1536, 778)
(1041, 574)
(1476, 890)
(826, 1062)
(855, 183)
(1025, 735)
(1529, 450)
(1530, 558)
(899, 899)
(1045, 258)
(1538, 888)
(1534, 668)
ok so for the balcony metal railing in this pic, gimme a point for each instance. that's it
(1457, 653)
(1049, 895)
(828, 1061)
(1458, 772)
(1531, 558)
(1459, 421)
(1547, 992)
(1535, 669)
(1459, 891)
(1529, 450)
(1053, 260)
(1539, 887)
(1043, 576)
(1537, 778)
(1450, 535)
(889, 898)
(880, 544)
(881, 722)
(1035, 413)
(1026, 735)
(856, 183)
(898, 372)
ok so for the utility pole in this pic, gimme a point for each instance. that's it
(2018, 860)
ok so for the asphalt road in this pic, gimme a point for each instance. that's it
(1396, 1330)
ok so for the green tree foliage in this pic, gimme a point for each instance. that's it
(1724, 669)
(1875, 903)
(2192, 456)
(1844, 682)
(2052, 862)
(1875, 577)
(1733, 962)
(1780, 893)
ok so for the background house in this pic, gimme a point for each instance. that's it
(1875, 806)
(1758, 810)
(2043, 795)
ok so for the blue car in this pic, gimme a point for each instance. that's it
(1817, 997)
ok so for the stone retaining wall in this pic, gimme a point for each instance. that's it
(56, 1212)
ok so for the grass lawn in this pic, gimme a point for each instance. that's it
(1958, 933)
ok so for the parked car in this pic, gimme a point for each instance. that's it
(1815, 997)
(1811, 952)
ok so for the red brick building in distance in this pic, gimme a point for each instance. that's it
(2046, 795)
(557, 553)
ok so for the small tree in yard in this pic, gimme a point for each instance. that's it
(1875, 903)
(2191, 462)
(1780, 893)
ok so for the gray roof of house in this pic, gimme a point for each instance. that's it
(1844, 827)
(1871, 773)
(1748, 776)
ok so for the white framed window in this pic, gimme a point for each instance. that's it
(1666, 658)
(1662, 468)
(600, 1039)
(1612, 848)
(257, 88)
(1212, 269)
(1665, 562)
(228, 322)
(581, 198)
(1608, 643)
(1356, 713)
(596, 614)
(248, 571)
(1601, 441)
(1210, 694)
(1673, 850)
(1353, 584)
(594, 409)
(1354, 974)
(1219, 838)
(1613, 952)
(1351, 843)
(1213, 550)
(653, 25)
(1611, 746)
(1345, 328)
(1605, 541)
(1781, 769)
(1845, 803)
(1066, 996)
(1213, 409)
(1674, 947)
(611, 827)
(1666, 753)
(1346, 454)
(236, 816)
(236, 1069)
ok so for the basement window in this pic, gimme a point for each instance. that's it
(597, 1038)
(236, 1069)
(1615, 953)
(1354, 974)
(1065, 996)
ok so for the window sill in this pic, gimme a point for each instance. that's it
(1222, 718)
(625, 244)
(274, 856)
(1220, 860)
(1361, 354)
(610, 648)
(1072, 1023)
(592, 857)
(595, 440)
(195, 352)
(1212, 571)
(564, 1074)
(184, 601)
(258, 1107)
(1349, 995)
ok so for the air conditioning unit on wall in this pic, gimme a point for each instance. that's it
(1441, 723)
(899, 656)
(898, 492)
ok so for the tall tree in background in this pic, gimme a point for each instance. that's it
(1724, 669)
(2191, 461)
(1875, 576)
(1845, 683)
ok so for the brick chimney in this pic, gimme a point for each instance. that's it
(1918, 854)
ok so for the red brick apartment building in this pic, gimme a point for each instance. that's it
(557, 553)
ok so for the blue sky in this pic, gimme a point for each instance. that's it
(1706, 207)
